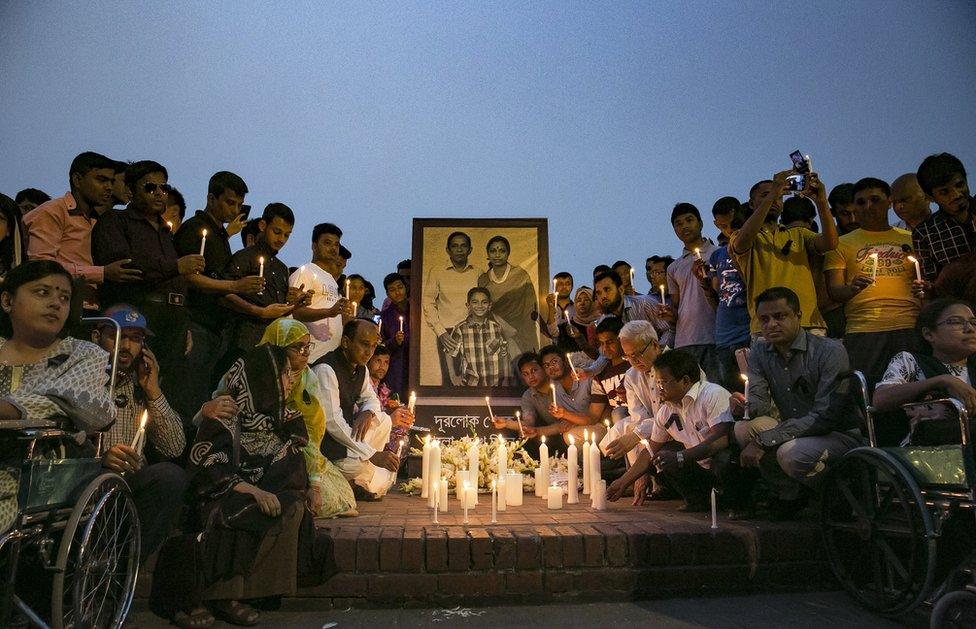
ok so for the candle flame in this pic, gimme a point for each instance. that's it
(586, 434)
(606, 422)
(487, 400)
(912, 259)
(566, 314)
(644, 443)
(744, 377)
(143, 420)
(170, 225)
(518, 414)
(261, 260)
(543, 439)
(204, 231)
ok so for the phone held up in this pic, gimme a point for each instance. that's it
(802, 167)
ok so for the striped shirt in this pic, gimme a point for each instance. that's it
(484, 354)
(939, 240)
(164, 430)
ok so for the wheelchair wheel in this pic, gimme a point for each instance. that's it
(878, 532)
(955, 610)
(98, 558)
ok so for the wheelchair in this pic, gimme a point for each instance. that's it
(70, 554)
(899, 523)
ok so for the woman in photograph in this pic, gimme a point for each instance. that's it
(513, 296)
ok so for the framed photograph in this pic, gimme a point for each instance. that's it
(476, 285)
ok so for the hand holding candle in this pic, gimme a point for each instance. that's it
(203, 240)
(874, 268)
(745, 379)
(662, 294)
(140, 439)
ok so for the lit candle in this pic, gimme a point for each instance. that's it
(203, 240)
(554, 288)
(464, 501)
(401, 324)
(494, 502)
(606, 422)
(555, 497)
(435, 467)
(379, 328)
(170, 225)
(745, 379)
(586, 462)
(918, 269)
(491, 414)
(402, 450)
(553, 383)
(347, 289)
(513, 488)
(518, 418)
(572, 473)
(566, 315)
(631, 276)
(544, 461)
(714, 510)
(139, 440)
(355, 308)
(501, 457)
(874, 267)
(698, 253)
(502, 503)
(572, 366)
(412, 401)
(437, 495)
(261, 266)
(594, 463)
(473, 474)
(662, 294)
(425, 469)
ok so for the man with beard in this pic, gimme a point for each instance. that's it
(138, 234)
(157, 488)
(770, 255)
(948, 234)
(609, 294)
(61, 230)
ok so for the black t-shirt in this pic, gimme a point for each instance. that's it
(205, 308)
(247, 262)
(608, 386)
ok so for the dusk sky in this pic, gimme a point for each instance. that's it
(598, 116)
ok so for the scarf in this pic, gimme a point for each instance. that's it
(594, 312)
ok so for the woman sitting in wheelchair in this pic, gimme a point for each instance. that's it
(947, 369)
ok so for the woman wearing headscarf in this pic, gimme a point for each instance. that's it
(330, 494)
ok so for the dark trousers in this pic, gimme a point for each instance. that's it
(707, 360)
(158, 493)
(200, 376)
(168, 324)
(695, 483)
(870, 352)
(836, 321)
(728, 366)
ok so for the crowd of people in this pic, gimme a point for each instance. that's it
(273, 394)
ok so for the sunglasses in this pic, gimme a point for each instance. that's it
(150, 187)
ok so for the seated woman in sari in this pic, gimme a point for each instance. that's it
(948, 367)
(329, 492)
(248, 484)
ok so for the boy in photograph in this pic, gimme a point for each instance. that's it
(479, 343)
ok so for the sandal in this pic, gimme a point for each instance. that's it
(199, 618)
(236, 613)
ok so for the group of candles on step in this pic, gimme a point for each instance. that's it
(506, 486)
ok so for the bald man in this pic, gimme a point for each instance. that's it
(909, 202)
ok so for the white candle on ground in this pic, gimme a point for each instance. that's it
(513, 489)
(464, 501)
(714, 510)
(745, 379)
(594, 464)
(437, 494)
(918, 269)
(442, 499)
(494, 502)
(600, 501)
(460, 477)
(569, 361)
(539, 485)
(544, 461)
(586, 462)
(874, 267)
(555, 497)
(473, 472)
(501, 457)
(502, 492)
(425, 469)
(203, 240)
(435, 466)
(572, 473)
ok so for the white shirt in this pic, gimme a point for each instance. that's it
(339, 427)
(643, 400)
(702, 408)
(326, 332)
(446, 296)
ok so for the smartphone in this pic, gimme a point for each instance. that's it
(800, 164)
(377, 319)
(797, 183)
(246, 210)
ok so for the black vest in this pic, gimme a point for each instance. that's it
(932, 367)
(350, 385)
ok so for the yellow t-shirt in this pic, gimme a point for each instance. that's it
(888, 304)
(770, 262)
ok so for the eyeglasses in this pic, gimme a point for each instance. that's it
(304, 350)
(151, 187)
(958, 322)
(636, 355)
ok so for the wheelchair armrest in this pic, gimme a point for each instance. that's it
(945, 410)
(21, 425)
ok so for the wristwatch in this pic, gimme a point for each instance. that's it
(680, 457)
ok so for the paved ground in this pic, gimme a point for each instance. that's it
(795, 611)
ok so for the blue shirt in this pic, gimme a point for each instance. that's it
(732, 313)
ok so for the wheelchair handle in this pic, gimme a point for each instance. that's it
(862, 383)
(115, 350)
